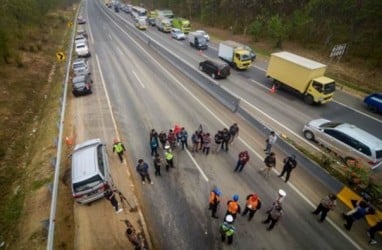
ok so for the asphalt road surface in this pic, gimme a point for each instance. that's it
(147, 92)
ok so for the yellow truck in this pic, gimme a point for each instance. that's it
(182, 24)
(302, 75)
(163, 24)
(234, 54)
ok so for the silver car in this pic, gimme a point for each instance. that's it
(351, 143)
(80, 67)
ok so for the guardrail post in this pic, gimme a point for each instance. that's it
(53, 161)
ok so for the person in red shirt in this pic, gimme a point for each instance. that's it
(243, 159)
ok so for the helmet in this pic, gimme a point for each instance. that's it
(217, 191)
(332, 196)
(282, 193)
(235, 197)
(167, 147)
(229, 218)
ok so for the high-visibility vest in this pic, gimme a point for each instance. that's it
(169, 155)
(228, 229)
(118, 147)
(252, 203)
(233, 207)
(214, 199)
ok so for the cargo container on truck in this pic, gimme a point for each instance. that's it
(302, 75)
(182, 24)
(234, 54)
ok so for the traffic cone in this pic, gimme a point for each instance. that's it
(69, 141)
(273, 89)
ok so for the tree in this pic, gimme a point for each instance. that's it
(277, 30)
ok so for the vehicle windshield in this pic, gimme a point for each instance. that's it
(78, 79)
(329, 88)
(78, 65)
(330, 124)
(87, 184)
(245, 57)
(80, 46)
(202, 39)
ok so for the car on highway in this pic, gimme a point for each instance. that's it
(374, 102)
(352, 144)
(80, 67)
(141, 24)
(81, 85)
(90, 171)
(82, 50)
(177, 34)
(81, 20)
(81, 31)
(204, 34)
(80, 39)
(215, 69)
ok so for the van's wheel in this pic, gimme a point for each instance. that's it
(350, 162)
(213, 75)
(309, 135)
(308, 99)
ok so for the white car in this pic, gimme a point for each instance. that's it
(177, 34)
(82, 50)
(80, 67)
(80, 39)
(203, 33)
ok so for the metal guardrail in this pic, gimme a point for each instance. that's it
(52, 217)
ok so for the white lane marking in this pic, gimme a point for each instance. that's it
(218, 119)
(139, 80)
(358, 111)
(197, 165)
(107, 99)
(108, 34)
(120, 51)
(258, 67)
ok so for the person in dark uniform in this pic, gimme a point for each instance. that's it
(289, 164)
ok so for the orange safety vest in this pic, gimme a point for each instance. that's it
(233, 207)
(252, 203)
(214, 199)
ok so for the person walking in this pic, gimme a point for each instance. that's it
(270, 141)
(169, 158)
(206, 143)
(234, 131)
(372, 230)
(218, 138)
(110, 195)
(242, 161)
(227, 230)
(214, 201)
(171, 138)
(252, 204)
(162, 138)
(195, 141)
(327, 203)
(289, 164)
(143, 170)
(153, 133)
(119, 148)
(233, 207)
(157, 164)
(274, 215)
(270, 162)
(154, 144)
(226, 139)
(183, 137)
(357, 213)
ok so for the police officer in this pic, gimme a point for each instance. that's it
(274, 214)
(289, 164)
(169, 157)
(328, 203)
(119, 148)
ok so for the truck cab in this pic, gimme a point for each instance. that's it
(182, 24)
(242, 59)
(235, 55)
(320, 90)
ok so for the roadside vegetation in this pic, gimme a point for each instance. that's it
(307, 27)
(31, 32)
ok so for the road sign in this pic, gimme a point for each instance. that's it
(338, 50)
(60, 56)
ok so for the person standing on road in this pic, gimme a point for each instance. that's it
(274, 215)
(162, 138)
(327, 203)
(289, 164)
(195, 141)
(357, 213)
(252, 204)
(234, 131)
(183, 135)
(171, 138)
(227, 230)
(226, 139)
(154, 144)
(242, 161)
(119, 148)
(233, 207)
(157, 164)
(218, 138)
(270, 141)
(110, 195)
(143, 170)
(214, 202)
(169, 158)
(206, 143)
(270, 162)
(372, 230)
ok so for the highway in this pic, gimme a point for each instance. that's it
(146, 92)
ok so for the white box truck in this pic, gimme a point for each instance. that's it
(234, 54)
(302, 75)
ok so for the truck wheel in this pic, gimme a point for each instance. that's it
(309, 135)
(308, 99)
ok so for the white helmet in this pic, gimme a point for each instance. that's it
(282, 193)
(167, 147)
(229, 218)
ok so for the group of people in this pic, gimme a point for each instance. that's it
(252, 204)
